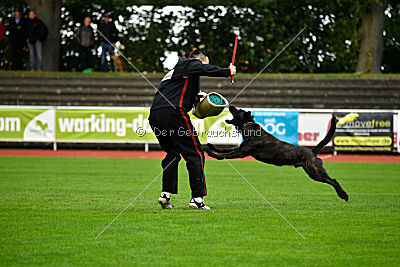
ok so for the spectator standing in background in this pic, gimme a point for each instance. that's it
(36, 33)
(2, 32)
(17, 40)
(85, 40)
(110, 32)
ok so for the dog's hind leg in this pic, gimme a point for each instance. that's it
(317, 172)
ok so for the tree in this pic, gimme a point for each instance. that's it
(340, 35)
(373, 24)
(391, 53)
(49, 12)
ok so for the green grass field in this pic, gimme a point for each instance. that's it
(51, 210)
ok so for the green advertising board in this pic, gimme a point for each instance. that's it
(103, 125)
(65, 124)
(27, 124)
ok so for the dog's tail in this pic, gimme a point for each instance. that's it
(327, 138)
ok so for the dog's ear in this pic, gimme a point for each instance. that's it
(232, 108)
(249, 116)
(229, 121)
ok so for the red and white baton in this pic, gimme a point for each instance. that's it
(233, 57)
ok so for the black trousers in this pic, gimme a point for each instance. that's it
(17, 56)
(84, 57)
(177, 137)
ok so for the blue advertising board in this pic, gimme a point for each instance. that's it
(281, 124)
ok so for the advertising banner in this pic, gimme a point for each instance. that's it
(131, 125)
(313, 127)
(364, 131)
(281, 124)
(27, 124)
(91, 124)
(103, 125)
(398, 132)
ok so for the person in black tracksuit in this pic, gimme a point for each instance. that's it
(171, 124)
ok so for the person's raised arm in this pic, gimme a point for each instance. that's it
(195, 67)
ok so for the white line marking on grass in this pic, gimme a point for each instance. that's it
(144, 77)
(277, 55)
(134, 199)
(266, 200)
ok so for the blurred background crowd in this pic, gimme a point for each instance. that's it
(27, 35)
(62, 35)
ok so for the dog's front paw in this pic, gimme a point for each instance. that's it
(210, 146)
(210, 153)
(214, 155)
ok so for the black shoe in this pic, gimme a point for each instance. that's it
(165, 201)
(198, 203)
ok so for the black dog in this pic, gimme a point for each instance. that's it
(266, 148)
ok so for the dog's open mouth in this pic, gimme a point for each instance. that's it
(239, 116)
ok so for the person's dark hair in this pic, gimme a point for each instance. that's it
(198, 54)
